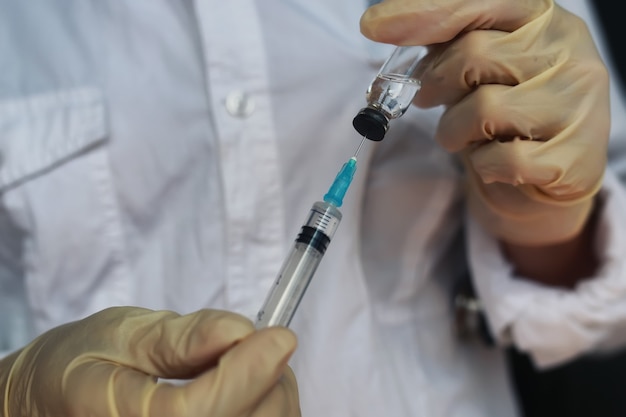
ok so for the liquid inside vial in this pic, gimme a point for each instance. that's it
(392, 94)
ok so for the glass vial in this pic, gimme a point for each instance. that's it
(390, 94)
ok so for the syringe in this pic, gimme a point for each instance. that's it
(305, 256)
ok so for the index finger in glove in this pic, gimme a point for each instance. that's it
(539, 109)
(426, 22)
(556, 40)
(565, 132)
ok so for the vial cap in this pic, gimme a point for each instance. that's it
(371, 123)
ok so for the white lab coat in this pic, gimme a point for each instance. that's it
(165, 154)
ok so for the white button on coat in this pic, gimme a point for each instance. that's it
(239, 104)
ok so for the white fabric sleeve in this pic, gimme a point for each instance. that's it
(555, 325)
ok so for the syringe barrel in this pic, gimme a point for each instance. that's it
(299, 266)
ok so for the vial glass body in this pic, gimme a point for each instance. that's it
(390, 94)
(396, 84)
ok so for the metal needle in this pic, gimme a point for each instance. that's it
(359, 148)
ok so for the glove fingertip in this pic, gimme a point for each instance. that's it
(284, 339)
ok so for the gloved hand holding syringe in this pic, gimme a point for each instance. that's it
(388, 97)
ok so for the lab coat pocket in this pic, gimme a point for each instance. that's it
(39, 132)
(60, 236)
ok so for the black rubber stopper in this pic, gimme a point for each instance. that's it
(371, 123)
(314, 238)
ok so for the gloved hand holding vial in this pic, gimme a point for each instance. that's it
(530, 125)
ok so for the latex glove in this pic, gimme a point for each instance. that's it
(527, 106)
(107, 364)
